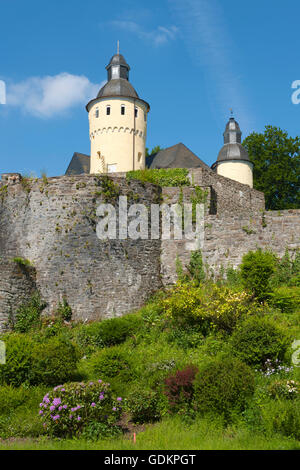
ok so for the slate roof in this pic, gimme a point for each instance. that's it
(80, 164)
(177, 156)
(118, 87)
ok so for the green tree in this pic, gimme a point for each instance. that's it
(276, 158)
(153, 151)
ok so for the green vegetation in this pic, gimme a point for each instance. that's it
(162, 177)
(276, 158)
(203, 365)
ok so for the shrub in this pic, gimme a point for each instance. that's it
(69, 408)
(256, 270)
(64, 310)
(53, 362)
(195, 267)
(108, 332)
(28, 314)
(18, 364)
(145, 406)
(287, 299)
(282, 417)
(117, 330)
(285, 389)
(217, 307)
(259, 339)
(179, 388)
(222, 386)
(233, 277)
(185, 338)
(111, 363)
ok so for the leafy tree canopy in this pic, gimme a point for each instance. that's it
(153, 151)
(276, 158)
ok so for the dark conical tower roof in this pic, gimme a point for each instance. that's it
(232, 148)
(117, 79)
(118, 84)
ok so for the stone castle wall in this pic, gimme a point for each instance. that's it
(52, 223)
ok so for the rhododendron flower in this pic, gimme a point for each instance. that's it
(93, 404)
(56, 401)
(119, 399)
(52, 408)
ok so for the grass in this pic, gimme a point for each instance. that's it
(171, 433)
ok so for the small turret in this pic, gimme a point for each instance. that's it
(233, 160)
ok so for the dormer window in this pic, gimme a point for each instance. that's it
(122, 109)
(135, 112)
(107, 110)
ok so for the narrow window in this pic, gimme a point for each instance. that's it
(139, 156)
(97, 113)
(135, 112)
(122, 109)
(108, 110)
(145, 116)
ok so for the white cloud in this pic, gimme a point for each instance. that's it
(51, 95)
(158, 36)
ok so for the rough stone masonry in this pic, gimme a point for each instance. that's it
(52, 223)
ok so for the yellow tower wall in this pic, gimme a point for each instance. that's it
(237, 170)
(117, 141)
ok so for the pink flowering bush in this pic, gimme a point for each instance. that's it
(68, 409)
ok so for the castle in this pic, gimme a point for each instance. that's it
(52, 221)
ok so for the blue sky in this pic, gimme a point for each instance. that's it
(192, 60)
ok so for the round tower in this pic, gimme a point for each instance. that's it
(233, 160)
(117, 123)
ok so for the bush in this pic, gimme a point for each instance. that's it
(179, 388)
(284, 389)
(282, 417)
(53, 362)
(145, 406)
(108, 332)
(259, 339)
(69, 408)
(222, 386)
(28, 315)
(18, 364)
(287, 299)
(210, 308)
(257, 269)
(64, 310)
(195, 267)
(111, 363)
(117, 330)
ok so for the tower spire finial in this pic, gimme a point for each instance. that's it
(231, 111)
(118, 47)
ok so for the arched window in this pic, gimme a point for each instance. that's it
(108, 110)
(135, 112)
(122, 109)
